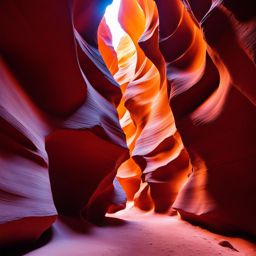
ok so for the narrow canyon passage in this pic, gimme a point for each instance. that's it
(127, 127)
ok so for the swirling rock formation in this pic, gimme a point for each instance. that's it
(212, 78)
(26, 205)
(144, 112)
(55, 118)
(208, 56)
(168, 115)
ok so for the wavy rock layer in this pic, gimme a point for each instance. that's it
(157, 152)
(61, 142)
(212, 78)
(206, 51)
(168, 116)
(26, 202)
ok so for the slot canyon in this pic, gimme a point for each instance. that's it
(127, 127)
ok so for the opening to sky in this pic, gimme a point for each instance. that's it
(111, 16)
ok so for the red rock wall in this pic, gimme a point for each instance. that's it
(209, 51)
(61, 142)
(170, 114)
(214, 109)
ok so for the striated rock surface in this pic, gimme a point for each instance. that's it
(166, 118)
(61, 142)
(202, 60)
(212, 78)
(26, 204)
(157, 152)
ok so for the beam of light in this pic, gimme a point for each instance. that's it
(111, 16)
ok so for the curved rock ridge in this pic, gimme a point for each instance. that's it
(165, 120)
(157, 153)
(211, 72)
(26, 201)
(61, 141)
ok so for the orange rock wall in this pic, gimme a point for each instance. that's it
(168, 117)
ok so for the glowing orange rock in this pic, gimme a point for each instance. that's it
(144, 112)
(168, 115)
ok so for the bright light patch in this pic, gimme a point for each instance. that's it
(111, 16)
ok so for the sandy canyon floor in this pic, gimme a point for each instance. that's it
(132, 232)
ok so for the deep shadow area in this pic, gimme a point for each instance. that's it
(76, 224)
(22, 249)
(113, 222)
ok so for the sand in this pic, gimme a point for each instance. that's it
(131, 232)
